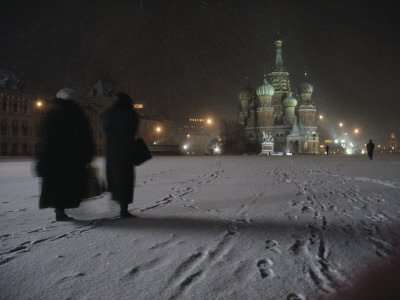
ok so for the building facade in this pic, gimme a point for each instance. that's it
(274, 117)
(20, 116)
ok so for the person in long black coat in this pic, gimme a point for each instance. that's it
(120, 123)
(370, 149)
(67, 148)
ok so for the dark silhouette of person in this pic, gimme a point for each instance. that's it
(327, 149)
(370, 149)
(120, 123)
(67, 148)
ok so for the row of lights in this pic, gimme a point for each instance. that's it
(356, 130)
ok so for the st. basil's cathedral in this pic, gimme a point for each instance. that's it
(274, 117)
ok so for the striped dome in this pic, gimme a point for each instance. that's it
(305, 86)
(265, 89)
(289, 101)
(246, 94)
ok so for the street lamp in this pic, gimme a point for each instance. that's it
(157, 137)
(38, 104)
(340, 134)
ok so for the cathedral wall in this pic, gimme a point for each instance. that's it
(307, 117)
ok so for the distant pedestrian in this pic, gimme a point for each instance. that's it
(370, 149)
(120, 123)
(327, 149)
(67, 147)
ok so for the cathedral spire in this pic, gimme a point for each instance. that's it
(279, 67)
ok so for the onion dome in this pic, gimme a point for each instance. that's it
(289, 101)
(265, 89)
(305, 86)
(246, 94)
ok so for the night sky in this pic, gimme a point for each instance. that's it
(189, 58)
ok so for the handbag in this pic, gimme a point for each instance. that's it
(93, 187)
(141, 152)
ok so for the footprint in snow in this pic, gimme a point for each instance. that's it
(273, 246)
(263, 266)
(294, 296)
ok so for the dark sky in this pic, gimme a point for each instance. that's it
(188, 58)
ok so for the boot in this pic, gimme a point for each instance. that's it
(62, 216)
(124, 211)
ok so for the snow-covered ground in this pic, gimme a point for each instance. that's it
(229, 227)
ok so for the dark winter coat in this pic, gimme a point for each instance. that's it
(67, 147)
(370, 147)
(120, 123)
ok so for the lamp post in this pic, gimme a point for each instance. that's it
(340, 134)
(356, 131)
(340, 130)
(158, 132)
(38, 104)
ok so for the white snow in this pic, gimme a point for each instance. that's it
(226, 227)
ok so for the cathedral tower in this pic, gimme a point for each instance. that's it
(245, 96)
(265, 111)
(307, 109)
(279, 79)
(290, 104)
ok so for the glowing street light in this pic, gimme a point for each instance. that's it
(38, 104)
(340, 124)
(356, 131)
(158, 129)
(321, 117)
(209, 121)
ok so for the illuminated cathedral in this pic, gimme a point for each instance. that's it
(274, 117)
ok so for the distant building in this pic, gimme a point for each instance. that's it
(274, 117)
(393, 146)
(195, 136)
(20, 117)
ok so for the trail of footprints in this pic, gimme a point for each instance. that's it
(317, 266)
(264, 266)
(181, 193)
(192, 268)
(24, 247)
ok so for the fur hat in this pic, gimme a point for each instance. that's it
(67, 94)
(122, 97)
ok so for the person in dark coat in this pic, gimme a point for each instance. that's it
(327, 149)
(120, 123)
(370, 149)
(67, 148)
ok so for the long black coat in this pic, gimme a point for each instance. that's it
(120, 124)
(67, 147)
